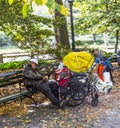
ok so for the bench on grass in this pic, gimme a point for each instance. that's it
(13, 79)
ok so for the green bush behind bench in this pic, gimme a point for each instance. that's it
(20, 64)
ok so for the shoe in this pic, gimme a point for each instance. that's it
(62, 104)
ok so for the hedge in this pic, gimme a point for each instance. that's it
(20, 64)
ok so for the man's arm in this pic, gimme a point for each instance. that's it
(27, 73)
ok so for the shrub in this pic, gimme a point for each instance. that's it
(20, 64)
(58, 52)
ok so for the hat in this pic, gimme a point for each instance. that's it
(34, 60)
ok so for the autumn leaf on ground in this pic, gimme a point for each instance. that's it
(27, 121)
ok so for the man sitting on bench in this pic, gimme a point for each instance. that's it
(33, 80)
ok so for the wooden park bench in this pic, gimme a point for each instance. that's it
(14, 78)
(11, 79)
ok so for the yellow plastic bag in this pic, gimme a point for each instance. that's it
(78, 61)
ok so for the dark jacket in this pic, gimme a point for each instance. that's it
(31, 77)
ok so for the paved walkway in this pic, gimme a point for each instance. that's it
(110, 120)
(84, 116)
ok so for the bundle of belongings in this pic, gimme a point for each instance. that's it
(62, 75)
(102, 78)
(100, 74)
(73, 62)
(78, 61)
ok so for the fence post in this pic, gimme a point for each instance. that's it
(1, 58)
(32, 55)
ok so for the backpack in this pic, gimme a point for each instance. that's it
(101, 69)
(108, 65)
(62, 76)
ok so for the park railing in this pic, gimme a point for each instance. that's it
(16, 55)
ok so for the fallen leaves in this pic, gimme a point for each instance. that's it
(13, 109)
(26, 121)
(78, 117)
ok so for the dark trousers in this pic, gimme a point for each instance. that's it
(49, 93)
(54, 88)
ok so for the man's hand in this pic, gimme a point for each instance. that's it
(45, 78)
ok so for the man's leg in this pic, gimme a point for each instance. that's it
(43, 87)
(54, 88)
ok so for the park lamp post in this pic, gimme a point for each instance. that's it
(72, 26)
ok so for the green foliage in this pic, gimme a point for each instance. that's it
(58, 52)
(29, 33)
(98, 16)
(91, 42)
(25, 10)
(107, 54)
(51, 4)
(10, 1)
(40, 2)
(88, 42)
(12, 65)
(19, 64)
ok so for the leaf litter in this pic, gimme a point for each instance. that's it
(78, 117)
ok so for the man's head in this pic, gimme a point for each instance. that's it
(95, 52)
(34, 63)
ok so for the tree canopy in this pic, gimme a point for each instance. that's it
(51, 4)
(98, 16)
(28, 33)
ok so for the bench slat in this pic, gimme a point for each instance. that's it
(7, 74)
(14, 77)
(15, 96)
(10, 83)
(10, 73)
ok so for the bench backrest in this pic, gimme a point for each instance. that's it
(11, 78)
(14, 77)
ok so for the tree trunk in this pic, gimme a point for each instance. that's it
(1, 58)
(61, 30)
(116, 43)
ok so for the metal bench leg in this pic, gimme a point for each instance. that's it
(21, 99)
(35, 102)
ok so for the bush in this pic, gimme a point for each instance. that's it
(107, 54)
(20, 64)
(89, 42)
(58, 52)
